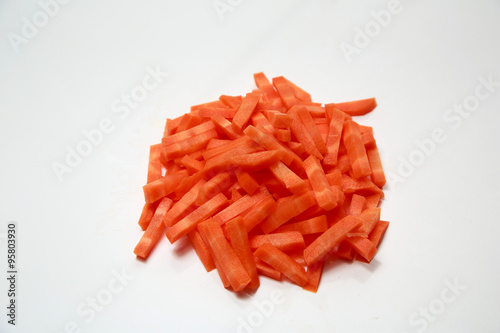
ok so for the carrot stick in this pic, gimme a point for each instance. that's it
(285, 92)
(288, 208)
(324, 194)
(245, 111)
(246, 181)
(259, 212)
(358, 203)
(154, 231)
(257, 161)
(356, 149)
(300, 132)
(238, 236)
(200, 214)
(266, 270)
(154, 166)
(357, 108)
(230, 264)
(363, 247)
(266, 87)
(201, 250)
(225, 126)
(189, 145)
(232, 102)
(327, 241)
(163, 186)
(238, 207)
(287, 177)
(147, 214)
(311, 127)
(313, 225)
(282, 263)
(182, 204)
(314, 273)
(284, 241)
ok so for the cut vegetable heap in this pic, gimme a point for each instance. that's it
(270, 183)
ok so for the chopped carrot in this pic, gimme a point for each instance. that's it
(282, 263)
(266, 270)
(357, 108)
(163, 186)
(229, 263)
(201, 250)
(238, 207)
(287, 208)
(326, 242)
(200, 214)
(322, 191)
(246, 181)
(154, 231)
(314, 273)
(245, 111)
(356, 149)
(313, 225)
(297, 181)
(147, 214)
(154, 167)
(238, 236)
(284, 241)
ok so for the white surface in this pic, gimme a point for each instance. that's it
(74, 233)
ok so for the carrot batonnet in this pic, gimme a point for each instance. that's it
(268, 183)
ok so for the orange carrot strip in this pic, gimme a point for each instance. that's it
(370, 218)
(378, 232)
(241, 141)
(258, 119)
(299, 92)
(271, 143)
(356, 149)
(238, 207)
(334, 136)
(214, 104)
(259, 212)
(282, 263)
(245, 111)
(201, 250)
(186, 184)
(147, 214)
(372, 201)
(266, 270)
(226, 257)
(288, 208)
(313, 225)
(189, 145)
(200, 214)
(215, 185)
(357, 108)
(287, 177)
(247, 182)
(361, 185)
(232, 102)
(154, 166)
(225, 161)
(284, 241)
(257, 161)
(358, 203)
(188, 121)
(300, 132)
(322, 191)
(327, 241)
(266, 87)
(363, 246)
(284, 135)
(163, 186)
(183, 204)
(154, 231)
(311, 127)
(281, 120)
(314, 273)
(225, 126)
(192, 165)
(285, 92)
(184, 135)
(205, 112)
(238, 236)
(377, 176)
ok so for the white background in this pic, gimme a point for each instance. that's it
(73, 234)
